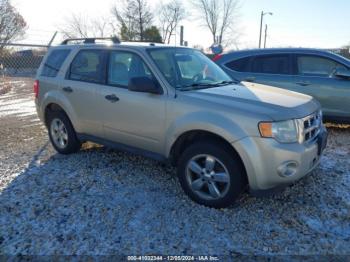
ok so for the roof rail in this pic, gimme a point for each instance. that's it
(92, 40)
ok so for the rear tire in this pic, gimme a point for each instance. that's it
(62, 134)
(211, 175)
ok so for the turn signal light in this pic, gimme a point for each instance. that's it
(265, 129)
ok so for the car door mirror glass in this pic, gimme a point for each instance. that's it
(342, 73)
(144, 85)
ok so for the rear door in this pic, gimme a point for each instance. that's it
(315, 77)
(273, 69)
(269, 69)
(85, 74)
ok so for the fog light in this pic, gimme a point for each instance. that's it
(288, 169)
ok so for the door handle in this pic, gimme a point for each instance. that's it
(303, 83)
(67, 89)
(249, 79)
(112, 98)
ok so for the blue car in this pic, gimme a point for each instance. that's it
(321, 74)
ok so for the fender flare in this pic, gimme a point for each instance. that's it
(203, 121)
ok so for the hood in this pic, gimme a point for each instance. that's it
(279, 104)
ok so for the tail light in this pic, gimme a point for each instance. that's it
(36, 88)
(217, 57)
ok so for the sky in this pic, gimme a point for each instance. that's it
(294, 23)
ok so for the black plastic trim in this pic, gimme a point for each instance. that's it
(336, 119)
(122, 147)
(92, 40)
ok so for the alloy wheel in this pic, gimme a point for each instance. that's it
(207, 177)
(59, 133)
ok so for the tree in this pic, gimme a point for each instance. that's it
(219, 16)
(77, 26)
(170, 15)
(345, 51)
(133, 17)
(152, 35)
(126, 34)
(12, 24)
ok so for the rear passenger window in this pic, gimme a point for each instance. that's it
(239, 65)
(123, 66)
(271, 64)
(88, 66)
(54, 62)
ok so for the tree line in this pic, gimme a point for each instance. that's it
(135, 20)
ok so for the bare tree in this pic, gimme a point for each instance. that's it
(170, 14)
(125, 20)
(77, 26)
(219, 16)
(12, 24)
(133, 17)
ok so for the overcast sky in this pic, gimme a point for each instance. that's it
(298, 23)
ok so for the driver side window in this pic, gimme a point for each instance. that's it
(125, 65)
(316, 66)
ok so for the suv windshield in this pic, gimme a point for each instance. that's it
(188, 69)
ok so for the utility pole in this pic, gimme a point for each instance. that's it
(181, 35)
(265, 35)
(261, 23)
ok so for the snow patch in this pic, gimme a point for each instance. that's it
(21, 107)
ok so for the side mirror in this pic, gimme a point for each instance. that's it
(342, 73)
(144, 85)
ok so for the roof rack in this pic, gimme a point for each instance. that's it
(91, 40)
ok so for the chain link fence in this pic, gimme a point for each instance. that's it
(19, 61)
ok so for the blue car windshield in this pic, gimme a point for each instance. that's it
(188, 69)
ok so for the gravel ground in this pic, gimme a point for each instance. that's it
(101, 202)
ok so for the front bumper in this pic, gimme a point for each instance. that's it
(264, 158)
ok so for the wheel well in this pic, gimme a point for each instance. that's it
(51, 108)
(194, 136)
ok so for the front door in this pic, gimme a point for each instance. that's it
(315, 77)
(131, 118)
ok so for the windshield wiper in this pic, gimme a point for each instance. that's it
(228, 82)
(195, 86)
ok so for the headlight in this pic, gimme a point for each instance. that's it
(283, 131)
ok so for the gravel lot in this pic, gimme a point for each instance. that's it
(101, 201)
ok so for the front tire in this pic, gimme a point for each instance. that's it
(211, 175)
(61, 132)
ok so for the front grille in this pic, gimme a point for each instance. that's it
(309, 127)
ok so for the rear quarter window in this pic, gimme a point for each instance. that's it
(54, 62)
